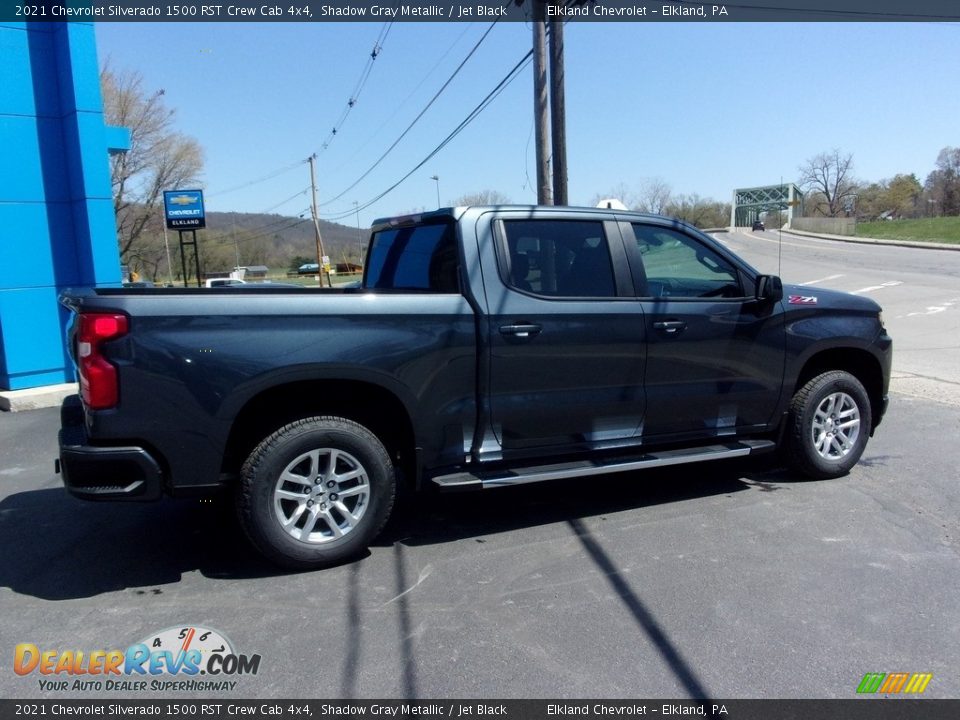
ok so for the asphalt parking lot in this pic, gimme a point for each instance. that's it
(721, 580)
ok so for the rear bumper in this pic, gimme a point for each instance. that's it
(93, 472)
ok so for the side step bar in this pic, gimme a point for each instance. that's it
(580, 468)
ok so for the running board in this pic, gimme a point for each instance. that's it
(502, 478)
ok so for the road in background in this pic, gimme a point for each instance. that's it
(919, 290)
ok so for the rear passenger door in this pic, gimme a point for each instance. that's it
(565, 335)
(715, 355)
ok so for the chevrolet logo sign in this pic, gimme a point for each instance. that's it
(183, 199)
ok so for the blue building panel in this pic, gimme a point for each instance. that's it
(77, 67)
(57, 226)
(19, 96)
(34, 153)
(31, 357)
(26, 250)
(97, 263)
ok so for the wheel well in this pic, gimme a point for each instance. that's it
(859, 363)
(375, 408)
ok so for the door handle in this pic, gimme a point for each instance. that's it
(670, 327)
(521, 330)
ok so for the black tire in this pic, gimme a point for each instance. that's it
(327, 520)
(820, 443)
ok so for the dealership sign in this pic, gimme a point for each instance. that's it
(183, 209)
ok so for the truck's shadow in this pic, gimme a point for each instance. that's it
(59, 548)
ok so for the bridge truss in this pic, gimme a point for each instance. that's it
(749, 203)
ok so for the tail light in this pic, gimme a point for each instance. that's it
(99, 386)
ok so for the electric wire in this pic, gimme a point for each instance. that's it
(491, 96)
(399, 106)
(415, 120)
(361, 83)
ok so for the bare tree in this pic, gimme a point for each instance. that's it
(484, 197)
(654, 196)
(159, 159)
(828, 177)
(943, 184)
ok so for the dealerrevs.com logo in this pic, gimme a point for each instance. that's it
(184, 658)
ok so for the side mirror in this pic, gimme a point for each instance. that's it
(769, 288)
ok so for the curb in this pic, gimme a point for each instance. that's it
(877, 241)
(36, 398)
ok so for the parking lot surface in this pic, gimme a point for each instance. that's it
(716, 580)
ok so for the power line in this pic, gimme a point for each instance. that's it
(268, 176)
(289, 199)
(361, 82)
(491, 96)
(415, 120)
(398, 106)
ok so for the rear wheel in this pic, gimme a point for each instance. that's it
(316, 492)
(829, 424)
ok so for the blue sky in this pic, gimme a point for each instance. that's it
(706, 107)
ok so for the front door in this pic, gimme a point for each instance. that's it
(566, 338)
(715, 355)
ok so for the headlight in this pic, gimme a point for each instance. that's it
(880, 319)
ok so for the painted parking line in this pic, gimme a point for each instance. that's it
(820, 280)
(933, 309)
(871, 288)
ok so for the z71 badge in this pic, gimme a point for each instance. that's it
(803, 300)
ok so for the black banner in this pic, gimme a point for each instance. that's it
(877, 708)
(479, 11)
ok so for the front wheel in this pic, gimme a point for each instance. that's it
(829, 424)
(316, 492)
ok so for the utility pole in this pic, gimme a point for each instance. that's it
(558, 113)
(316, 223)
(436, 178)
(541, 121)
(356, 208)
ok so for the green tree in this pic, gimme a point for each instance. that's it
(903, 195)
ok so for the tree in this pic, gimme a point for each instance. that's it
(484, 197)
(903, 195)
(943, 184)
(654, 196)
(698, 211)
(828, 178)
(159, 159)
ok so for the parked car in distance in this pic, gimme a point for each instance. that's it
(307, 268)
(757, 225)
(223, 282)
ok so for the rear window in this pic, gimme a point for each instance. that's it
(420, 257)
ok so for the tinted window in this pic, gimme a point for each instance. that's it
(422, 257)
(677, 265)
(559, 258)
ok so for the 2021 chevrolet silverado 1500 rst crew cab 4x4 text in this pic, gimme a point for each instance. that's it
(487, 346)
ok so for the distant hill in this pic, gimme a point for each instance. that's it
(274, 240)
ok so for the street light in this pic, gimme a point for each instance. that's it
(436, 178)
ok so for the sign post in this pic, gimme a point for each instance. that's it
(183, 211)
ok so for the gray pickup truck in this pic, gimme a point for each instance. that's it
(487, 346)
